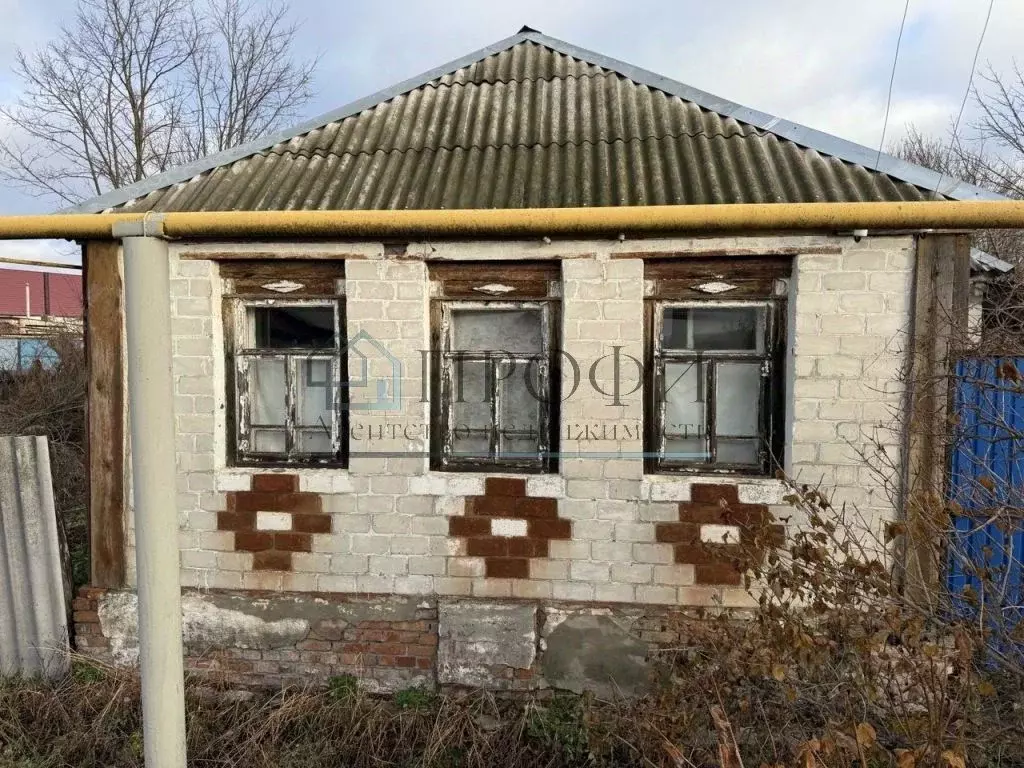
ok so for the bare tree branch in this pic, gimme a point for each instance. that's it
(132, 87)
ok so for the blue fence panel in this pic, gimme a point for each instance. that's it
(986, 545)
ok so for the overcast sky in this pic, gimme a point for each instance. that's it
(824, 63)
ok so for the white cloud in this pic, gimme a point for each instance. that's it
(60, 251)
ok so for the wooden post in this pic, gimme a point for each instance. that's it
(104, 341)
(939, 328)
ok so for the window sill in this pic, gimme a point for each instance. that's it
(751, 490)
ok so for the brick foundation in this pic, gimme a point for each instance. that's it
(331, 639)
(269, 640)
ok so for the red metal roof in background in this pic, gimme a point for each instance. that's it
(57, 294)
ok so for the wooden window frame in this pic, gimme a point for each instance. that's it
(521, 286)
(684, 284)
(250, 285)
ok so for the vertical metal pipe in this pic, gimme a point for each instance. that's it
(151, 413)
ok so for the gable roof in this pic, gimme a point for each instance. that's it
(532, 121)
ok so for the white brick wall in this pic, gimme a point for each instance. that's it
(389, 515)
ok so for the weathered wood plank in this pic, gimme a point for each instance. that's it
(104, 317)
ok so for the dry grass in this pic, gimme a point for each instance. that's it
(92, 719)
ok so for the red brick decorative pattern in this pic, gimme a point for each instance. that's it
(714, 562)
(272, 549)
(508, 557)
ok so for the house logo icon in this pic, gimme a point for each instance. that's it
(379, 370)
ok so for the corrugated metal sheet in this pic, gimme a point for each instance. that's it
(49, 293)
(986, 548)
(529, 126)
(33, 617)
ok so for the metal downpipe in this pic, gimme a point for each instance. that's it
(151, 415)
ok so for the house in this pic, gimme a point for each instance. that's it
(36, 305)
(503, 462)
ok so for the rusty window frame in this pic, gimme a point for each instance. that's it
(770, 392)
(243, 351)
(446, 360)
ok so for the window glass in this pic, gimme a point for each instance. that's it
(293, 327)
(471, 407)
(267, 391)
(718, 329)
(315, 393)
(519, 407)
(684, 399)
(737, 412)
(493, 330)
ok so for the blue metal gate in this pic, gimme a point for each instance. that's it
(986, 546)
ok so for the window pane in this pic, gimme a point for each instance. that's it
(267, 391)
(314, 441)
(471, 407)
(471, 445)
(315, 393)
(687, 449)
(738, 396)
(268, 441)
(520, 408)
(684, 400)
(494, 330)
(737, 406)
(732, 451)
(714, 329)
(293, 327)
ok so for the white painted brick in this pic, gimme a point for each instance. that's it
(632, 573)
(615, 593)
(316, 482)
(465, 486)
(453, 586)
(349, 564)
(546, 486)
(414, 585)
(492, 588)
(273, 521)
(599, 530)
(634, 532)
(588, 571)
(508, 527)
(554, 570)
(657, 595)
(720, 534)
(665, 489)
(572, 590)
(653, 553)
(427, 566)
(310, 562)
(674, 575)
(531, 589)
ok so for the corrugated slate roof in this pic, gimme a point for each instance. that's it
(535, 122)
